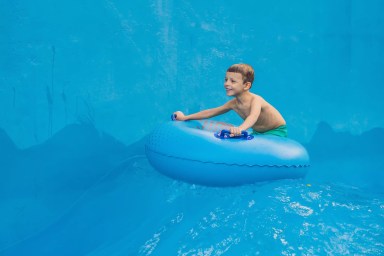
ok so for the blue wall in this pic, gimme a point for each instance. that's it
(126, 65)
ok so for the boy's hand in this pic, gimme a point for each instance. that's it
(235, 131)
(179, 116)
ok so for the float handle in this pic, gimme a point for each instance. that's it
(226, 134)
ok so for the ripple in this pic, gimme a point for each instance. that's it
(301, 209)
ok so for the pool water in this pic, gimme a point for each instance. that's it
(135, 211)
(131, 209)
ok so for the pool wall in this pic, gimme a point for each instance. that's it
(124, 66)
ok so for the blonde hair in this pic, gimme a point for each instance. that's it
(245, 70)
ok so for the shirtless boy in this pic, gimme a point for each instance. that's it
(256, 112)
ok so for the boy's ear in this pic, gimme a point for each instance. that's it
(247, 85)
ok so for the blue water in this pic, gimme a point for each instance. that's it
(84, 193)
(83, 83)
(135, 211)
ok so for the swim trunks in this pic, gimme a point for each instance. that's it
(281, 131)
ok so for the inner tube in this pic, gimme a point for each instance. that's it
(202, 152)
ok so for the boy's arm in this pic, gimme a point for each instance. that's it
(252, 117)
(249, 121)
(208, 113)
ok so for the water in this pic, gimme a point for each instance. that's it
(131, 209)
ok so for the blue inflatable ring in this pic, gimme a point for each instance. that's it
(200, 152)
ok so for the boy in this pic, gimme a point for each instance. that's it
(257, 113)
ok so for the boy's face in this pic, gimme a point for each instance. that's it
(233, 84)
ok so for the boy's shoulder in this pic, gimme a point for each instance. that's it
(256, 96)
(231, 102)
(259, 100)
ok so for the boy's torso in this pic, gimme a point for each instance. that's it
(269, 117)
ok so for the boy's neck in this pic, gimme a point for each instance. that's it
(243, 97)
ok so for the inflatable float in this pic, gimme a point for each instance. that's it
(201, 152)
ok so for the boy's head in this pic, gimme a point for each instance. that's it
(245, 70)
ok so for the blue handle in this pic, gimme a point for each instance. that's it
(226, 134)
